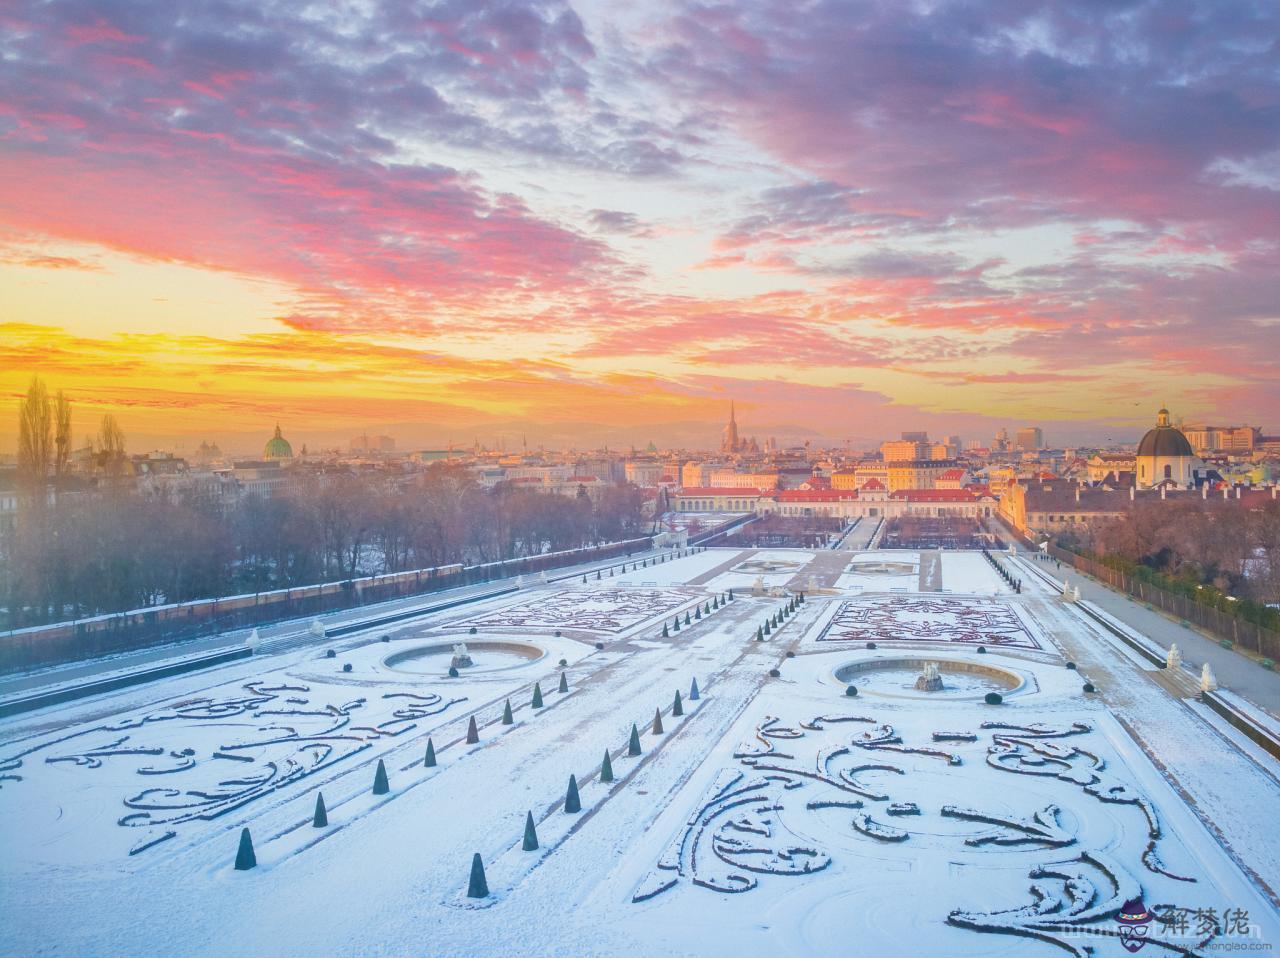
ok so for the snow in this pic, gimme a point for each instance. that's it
(735, 831)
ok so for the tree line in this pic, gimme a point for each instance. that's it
(1226, 554)
(110, 544)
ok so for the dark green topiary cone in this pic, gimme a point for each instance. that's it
(430, 761)
(657, 721)
(693, 691)
(572, 804)
(245, 858)
(606, 768)
(477, 887)
(473, 733)
(633, 746)
(530, 834)
(507, 717)
(678, 708)
(380, 784)
(321, 817)
(665, 631)
(564, 682)
(687, 620)
(537, 695)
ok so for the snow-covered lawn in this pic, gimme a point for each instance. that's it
(930, 618)
(888, 571)
(774, 567)
(594, 610)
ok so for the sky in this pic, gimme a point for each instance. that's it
(607, 220)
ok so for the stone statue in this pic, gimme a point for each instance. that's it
(1208, 682)
(930, 680)
(461, 657)
(757, 587)
(1174, 658)
(252, 641)
(317, 628)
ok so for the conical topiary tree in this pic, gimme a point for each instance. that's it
(633, 746)
(477, 887)
(473, 732)
(507, 717)
(665, 632)
(707, 609)
(530, 834)
(693, 691)
(572, 804)
(537, 695)
(245, 858)
(759, 634)
(380, 784)
(564, 682)
(657, 721)
(606, 768)
(687, 620)
(697, 613)
(677, 709)
(321, 817)
(730, 595)
(767, 627)
(430, 760)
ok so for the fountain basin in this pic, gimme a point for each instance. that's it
(897, 677)
(488, 656)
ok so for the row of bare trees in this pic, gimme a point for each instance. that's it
(116, 547)
(1230, 545)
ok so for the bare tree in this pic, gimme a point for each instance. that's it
(35, 438)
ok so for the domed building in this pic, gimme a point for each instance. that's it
(278, 447)
(1164, 456)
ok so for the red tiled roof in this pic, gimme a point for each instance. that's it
(873, 483)
(952, 474)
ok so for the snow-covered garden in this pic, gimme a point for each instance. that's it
(639, 765)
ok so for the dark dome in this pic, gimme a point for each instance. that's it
(1165, 441)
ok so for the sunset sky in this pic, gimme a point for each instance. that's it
(459, 218)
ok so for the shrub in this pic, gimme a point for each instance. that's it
(851, 690)
(982, 650)
(871, 645)
(346, 666)
(472, 630)
(993, 698)
(1088, 687)
(774, 673)
(1071, 665)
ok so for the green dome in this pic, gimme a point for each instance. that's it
(277, 447)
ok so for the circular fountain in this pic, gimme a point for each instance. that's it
(468, 658)
(910, 677)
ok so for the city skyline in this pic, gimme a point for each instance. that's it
(515, 216)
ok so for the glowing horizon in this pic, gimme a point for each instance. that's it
(861, 219)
